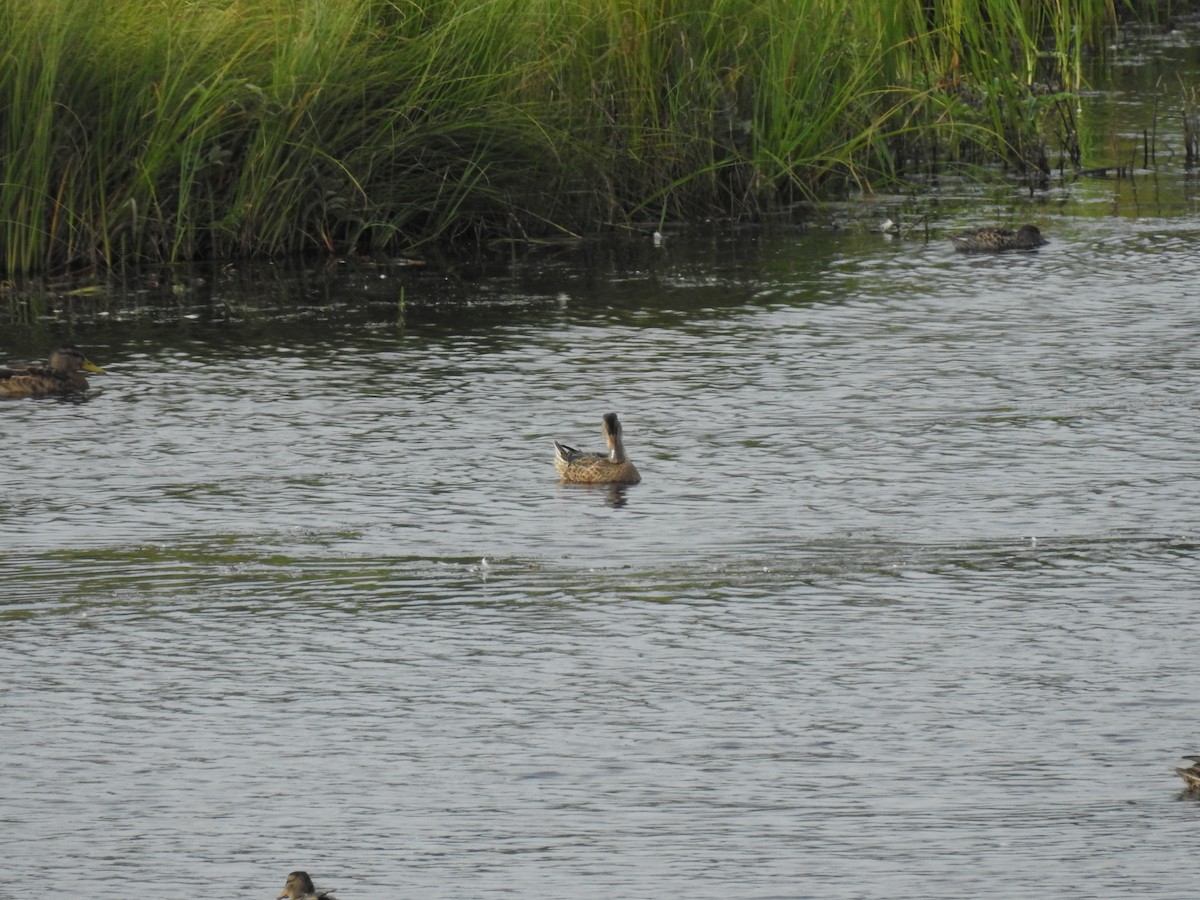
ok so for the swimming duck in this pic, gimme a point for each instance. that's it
(597, 468)
(300, 887)
(995, 240)
(60, 376)
(1191, 775)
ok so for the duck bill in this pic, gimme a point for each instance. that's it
(92, 367)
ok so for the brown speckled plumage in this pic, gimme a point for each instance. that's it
(996, 240)
(1191, 775)
(60, 376)
(612, 467)
(300, 887)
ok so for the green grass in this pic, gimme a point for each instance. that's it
(182, 129)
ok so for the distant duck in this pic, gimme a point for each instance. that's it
(612, 467)
(1191, 775)
(60, 376)
(996, 240)
(300, 887)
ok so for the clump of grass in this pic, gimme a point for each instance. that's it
(186, 129)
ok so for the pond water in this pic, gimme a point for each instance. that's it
(903, 606)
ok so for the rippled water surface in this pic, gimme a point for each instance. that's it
(903, 607)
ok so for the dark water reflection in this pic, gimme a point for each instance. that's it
(902, 606)
(898, 389)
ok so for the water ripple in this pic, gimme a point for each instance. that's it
(910, 570)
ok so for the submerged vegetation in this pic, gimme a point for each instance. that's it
(183, 129)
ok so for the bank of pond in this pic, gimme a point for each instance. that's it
(188, 130)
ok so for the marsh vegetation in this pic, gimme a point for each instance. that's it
(186, 129)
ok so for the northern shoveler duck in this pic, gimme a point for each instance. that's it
(995, 240)
(1191, 775)
(60, 376)
(612, 467)
(300, 887)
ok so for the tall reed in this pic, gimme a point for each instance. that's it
(179, 129)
